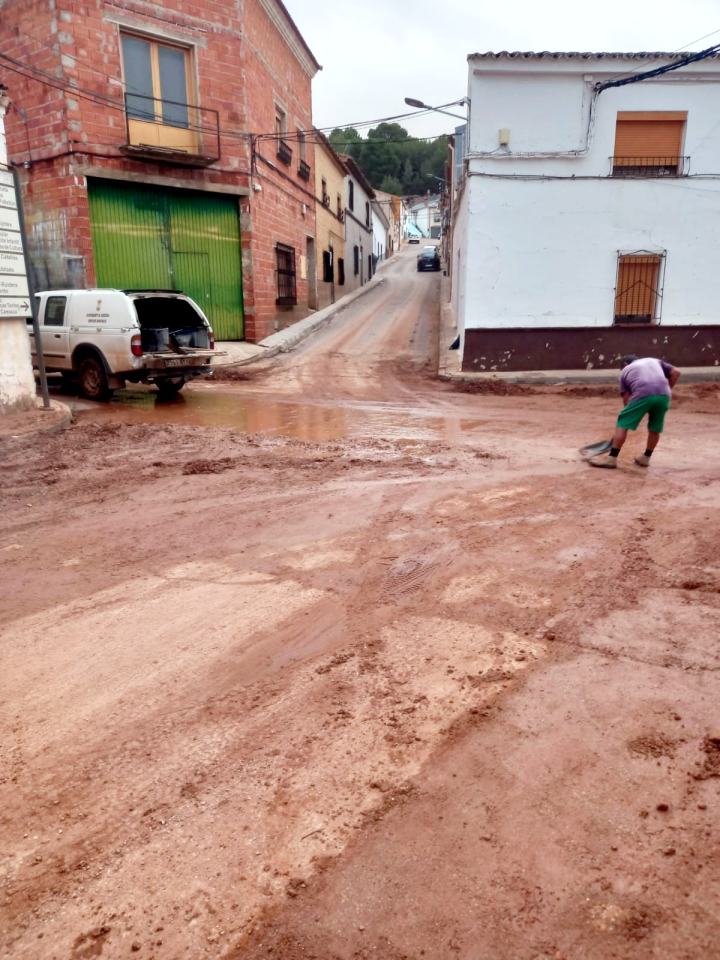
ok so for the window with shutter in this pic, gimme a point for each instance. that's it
(649, 144)
(638, 292)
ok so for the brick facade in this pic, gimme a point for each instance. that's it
(246, 58)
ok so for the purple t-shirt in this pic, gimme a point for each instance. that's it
(646, 377)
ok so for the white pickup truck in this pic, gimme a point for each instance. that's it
(102, 338)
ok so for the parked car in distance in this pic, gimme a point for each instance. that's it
(100, 339)
(429, 259)
(413, 239)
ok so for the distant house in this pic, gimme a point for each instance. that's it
(425, 216)
(330, 176)
(358, 226)
(393, 208)
(587, 224)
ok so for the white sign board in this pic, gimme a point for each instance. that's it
(14, 293)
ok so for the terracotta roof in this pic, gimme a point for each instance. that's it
(352, 167)
(577, 55)
(322, 141)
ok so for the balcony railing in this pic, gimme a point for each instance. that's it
(284, 152)
(171, 131)
(304, 170)
(650, 166)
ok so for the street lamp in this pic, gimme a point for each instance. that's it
(419, 105)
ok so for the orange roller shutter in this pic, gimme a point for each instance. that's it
(644, 135)
(637, 289)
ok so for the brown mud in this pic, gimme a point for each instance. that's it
(383, 672)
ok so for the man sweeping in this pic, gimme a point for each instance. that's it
(646, 388)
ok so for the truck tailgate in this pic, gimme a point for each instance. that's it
(167, 361)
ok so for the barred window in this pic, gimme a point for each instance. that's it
(638, 291)
(286, 286)
(649, 144)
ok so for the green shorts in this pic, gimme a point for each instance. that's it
(655, 407)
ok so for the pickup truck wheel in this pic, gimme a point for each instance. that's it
(169, 386)
(93, 380)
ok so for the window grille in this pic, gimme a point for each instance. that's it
(639, 288)
(286, 277)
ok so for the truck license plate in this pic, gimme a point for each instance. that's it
(177, 363)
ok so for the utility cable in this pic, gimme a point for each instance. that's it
(659, 71)
(100, 99)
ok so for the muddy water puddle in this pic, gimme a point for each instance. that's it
(207, 406)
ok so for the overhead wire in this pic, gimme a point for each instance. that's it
(100, 99)
(673, 53)
(659, 71)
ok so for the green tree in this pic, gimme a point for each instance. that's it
(392, 185)
(346, 140)
(389, 153)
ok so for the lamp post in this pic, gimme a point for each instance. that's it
(419, 105)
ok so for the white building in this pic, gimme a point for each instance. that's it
(426, 216)
(393, 208)
(588, 225)
(17, 384)
(381, 233)
(358, 226)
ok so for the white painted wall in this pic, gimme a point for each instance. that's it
(17, 383)
(380, 236)
(356, 234)
(543, 252)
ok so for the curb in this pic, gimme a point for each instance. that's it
(533, 378)
(65, 420)
(62, 420)
(447, 331)
(286, 340)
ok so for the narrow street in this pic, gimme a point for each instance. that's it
(334, 660)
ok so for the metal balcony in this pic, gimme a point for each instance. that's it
(304, 170)
(170, 131)
(284, 152)
(647, 167)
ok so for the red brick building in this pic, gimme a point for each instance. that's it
(161, 145)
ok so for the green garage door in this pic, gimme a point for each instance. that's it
(149, 237)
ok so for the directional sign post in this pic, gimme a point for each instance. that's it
(15, 299)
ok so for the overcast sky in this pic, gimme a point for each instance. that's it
(375, 53)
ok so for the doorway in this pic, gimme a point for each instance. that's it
(312, 274)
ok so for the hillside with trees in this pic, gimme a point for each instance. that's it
(392, 160)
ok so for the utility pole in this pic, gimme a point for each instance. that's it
(39, 355)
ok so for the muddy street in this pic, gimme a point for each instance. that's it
(334, 660)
